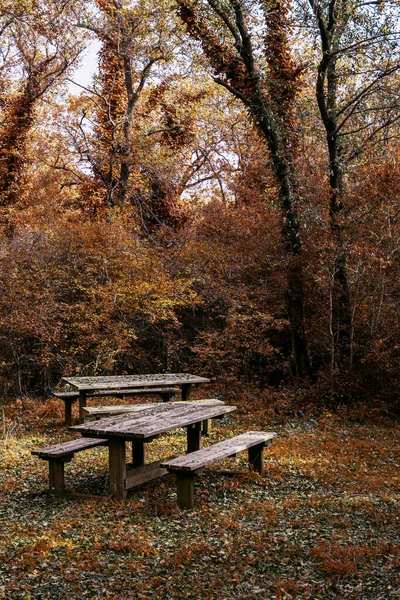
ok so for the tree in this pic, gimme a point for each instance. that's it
(267, 88)
(42, 45)
(357, 94)
(135, 38)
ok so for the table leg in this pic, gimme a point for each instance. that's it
(186, 391)
(193, 437)
(206, 427)
(68, 412)
(117, 467)
(138, 453)
(82, 404)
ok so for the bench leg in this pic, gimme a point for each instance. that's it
(185, 490)
(193, 437)
(56, 477)
(117, 467)
(82, 404)
(68, 412)
(256, 458)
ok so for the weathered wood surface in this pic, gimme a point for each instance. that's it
(103, 411)
(197, 460)
(73, 396)
(144, 473)
(61, 453)
(117, 467)
(185, 490)
(68, 448)
(138, 453)
(56, 477)
(131, 381)
(187, 467)
(194, 437)
(151, 422)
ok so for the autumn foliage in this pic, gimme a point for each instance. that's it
(152, 221)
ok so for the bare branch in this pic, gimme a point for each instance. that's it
(232, 90)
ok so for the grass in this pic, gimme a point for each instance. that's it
(322, 523)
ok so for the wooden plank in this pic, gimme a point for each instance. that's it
(197, 460)
(120, 409)
(66, 448)
(117, 468)
(139, 475)
(156, 426)
(173, 411)
(148, 423)
(115, 422)
(103, 411)
(126, 381)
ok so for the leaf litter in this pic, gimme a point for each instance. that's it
(322, 523)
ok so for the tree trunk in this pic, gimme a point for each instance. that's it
(326, 93)
(271, 112)
(290, 236)
(341, 295)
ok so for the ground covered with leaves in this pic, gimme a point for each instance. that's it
(322, 523)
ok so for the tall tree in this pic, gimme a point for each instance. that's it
(262, 74)
(42, 44)
(357, 94)
(135, 38)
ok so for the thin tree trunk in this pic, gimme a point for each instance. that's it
(326, 92)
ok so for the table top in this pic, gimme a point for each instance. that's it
(151, 422)
(120, 382)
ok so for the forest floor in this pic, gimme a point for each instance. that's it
(322, 523)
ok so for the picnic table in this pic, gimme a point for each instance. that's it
(120, 383)
(140, 429)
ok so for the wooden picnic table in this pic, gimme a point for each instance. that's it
(87, 385)
(141, 428)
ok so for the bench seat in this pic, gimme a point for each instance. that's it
(59, 454)
(188, 466)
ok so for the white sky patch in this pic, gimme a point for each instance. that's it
(84, 73)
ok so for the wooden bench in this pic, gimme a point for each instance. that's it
(187, 467)
(59, 454)
(166, 393)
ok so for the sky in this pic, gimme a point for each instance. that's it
(84, 73)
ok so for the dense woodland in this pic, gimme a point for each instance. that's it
(221, 197)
